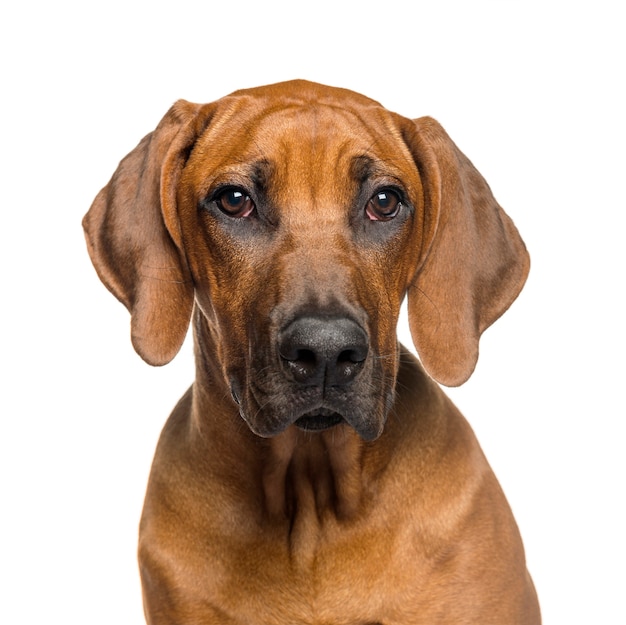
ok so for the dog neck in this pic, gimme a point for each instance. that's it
(297, 474)
(311, 482)
(298, 485)
(317, 474)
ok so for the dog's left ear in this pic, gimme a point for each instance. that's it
(134, 239)
(473, 261)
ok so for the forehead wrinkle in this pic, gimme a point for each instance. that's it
(313, 155)
(303, 154)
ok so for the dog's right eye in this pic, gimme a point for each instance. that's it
(235, 202)
(383, 206)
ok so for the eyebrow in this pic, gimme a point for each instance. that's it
(260, 173)
(362, 167)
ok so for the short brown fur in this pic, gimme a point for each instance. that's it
(255, 514)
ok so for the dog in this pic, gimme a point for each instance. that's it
(315, 473)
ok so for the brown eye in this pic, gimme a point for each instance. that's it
(383, 206)
(235, 202)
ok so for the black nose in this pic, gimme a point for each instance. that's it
(321, 350)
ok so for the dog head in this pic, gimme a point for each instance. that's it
(296, 218)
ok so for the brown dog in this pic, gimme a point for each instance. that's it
(314, 473)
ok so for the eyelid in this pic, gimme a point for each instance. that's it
(222, 188)
(392, 186)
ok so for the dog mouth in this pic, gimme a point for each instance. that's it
(318, 420)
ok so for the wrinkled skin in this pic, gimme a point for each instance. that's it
(315, 473)
(308, 248)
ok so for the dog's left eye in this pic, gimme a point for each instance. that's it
(383, 205)
(235, 202)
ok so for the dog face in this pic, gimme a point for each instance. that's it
(297, 217)
(295, 221)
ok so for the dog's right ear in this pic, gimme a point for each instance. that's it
(133, 234)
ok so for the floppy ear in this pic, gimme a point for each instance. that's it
(133, 235)
(473, 262)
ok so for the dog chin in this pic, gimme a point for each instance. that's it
(317, 421)
(313, 422)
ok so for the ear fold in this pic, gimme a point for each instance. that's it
(134, 240)
(474, 262)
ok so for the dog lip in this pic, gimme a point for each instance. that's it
(318, 420)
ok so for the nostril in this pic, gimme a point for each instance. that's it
(349, 363)
(300, 355)
(356, 356)
(301, 363)
(306, 357)
(314, 350)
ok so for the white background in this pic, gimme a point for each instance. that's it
(531, 92)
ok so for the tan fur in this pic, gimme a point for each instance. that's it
(392, 517)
